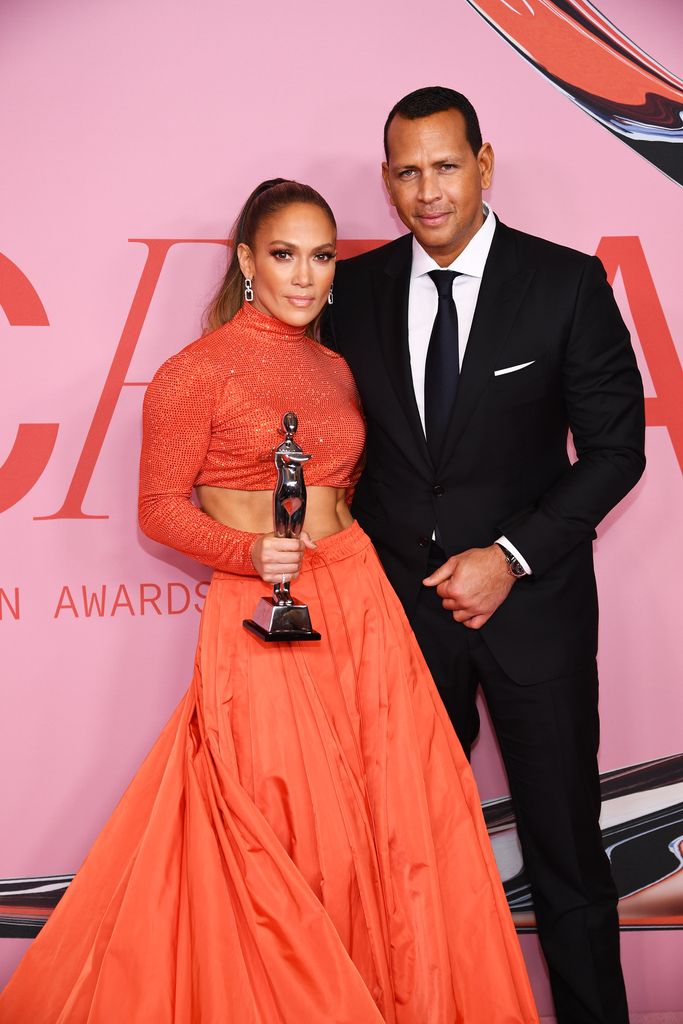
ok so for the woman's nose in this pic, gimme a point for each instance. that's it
(302, 274)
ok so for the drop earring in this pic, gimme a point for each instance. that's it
(330, 298)
(248, 290)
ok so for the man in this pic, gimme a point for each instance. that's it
(476, 348)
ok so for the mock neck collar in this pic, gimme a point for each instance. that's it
(250, 317)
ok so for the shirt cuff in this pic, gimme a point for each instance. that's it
(513, 551)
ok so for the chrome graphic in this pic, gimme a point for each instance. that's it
(585, 56)
(642, 832)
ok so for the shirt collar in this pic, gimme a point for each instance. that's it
(471, 260)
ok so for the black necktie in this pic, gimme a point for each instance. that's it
(443, 364)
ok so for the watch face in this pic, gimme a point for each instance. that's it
(514, 565)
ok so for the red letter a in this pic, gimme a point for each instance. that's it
(666, 410)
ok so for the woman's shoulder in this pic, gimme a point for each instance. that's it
(330, 353)
(197, 359)
(192, 375)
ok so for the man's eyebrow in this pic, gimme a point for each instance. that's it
(448, 159)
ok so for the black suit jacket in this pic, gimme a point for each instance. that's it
(504, 468)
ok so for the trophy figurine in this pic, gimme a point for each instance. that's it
(280, 617)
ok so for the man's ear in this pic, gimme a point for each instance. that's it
(386, 179)
(246, 259)
(486, 161)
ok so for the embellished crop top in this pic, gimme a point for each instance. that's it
(213, 415)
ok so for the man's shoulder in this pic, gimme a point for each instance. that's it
(398, 250)
(522, 247)
(541, 252)
(530, 248)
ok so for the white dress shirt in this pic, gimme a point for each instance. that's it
(423, 301)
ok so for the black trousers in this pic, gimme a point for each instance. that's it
(548, 735)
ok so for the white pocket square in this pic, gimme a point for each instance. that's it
(511, 369)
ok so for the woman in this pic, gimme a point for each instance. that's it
(304, 842)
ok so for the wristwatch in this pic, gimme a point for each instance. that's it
(514, 566)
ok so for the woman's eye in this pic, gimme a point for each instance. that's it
(325, 257)
(281, 254)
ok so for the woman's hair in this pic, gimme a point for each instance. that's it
(267, 198)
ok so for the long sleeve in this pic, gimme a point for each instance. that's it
(604, 398)
(176, 435)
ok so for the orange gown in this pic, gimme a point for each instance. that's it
(304, 843)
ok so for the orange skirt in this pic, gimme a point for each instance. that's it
(303, 844)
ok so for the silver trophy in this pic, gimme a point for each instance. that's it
(280, 617)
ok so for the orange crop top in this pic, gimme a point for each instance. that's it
(213, 414)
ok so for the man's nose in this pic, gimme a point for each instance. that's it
(429, 189)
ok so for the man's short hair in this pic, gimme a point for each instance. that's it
(434, 99)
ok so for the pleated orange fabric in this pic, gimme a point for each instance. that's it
(303, 844)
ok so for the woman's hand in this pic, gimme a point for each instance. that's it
(277, 557)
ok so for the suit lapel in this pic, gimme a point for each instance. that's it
(392, 289)
(502, 289)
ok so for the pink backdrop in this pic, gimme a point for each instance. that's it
(137, 119)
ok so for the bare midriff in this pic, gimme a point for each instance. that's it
(252, 511)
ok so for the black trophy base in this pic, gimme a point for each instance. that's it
(280, 623)
(282, 636)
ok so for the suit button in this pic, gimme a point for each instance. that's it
(438, 490)
(423, 542)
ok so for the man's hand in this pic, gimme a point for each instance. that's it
(473, 584)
